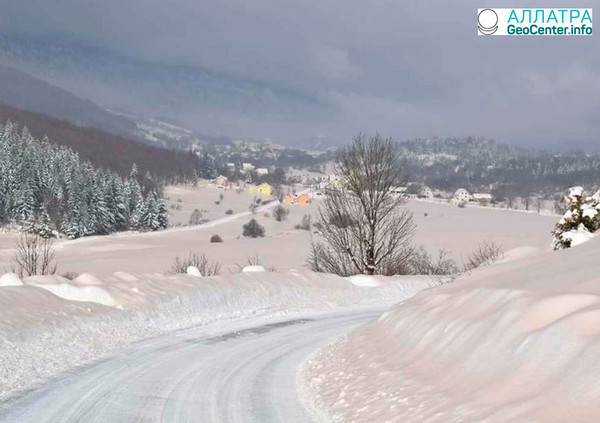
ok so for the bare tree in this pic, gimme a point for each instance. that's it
(34, 256)
(364, 228)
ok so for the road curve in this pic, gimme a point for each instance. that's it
(235, 372)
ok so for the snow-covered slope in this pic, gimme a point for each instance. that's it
(514, 342)
(51, 324)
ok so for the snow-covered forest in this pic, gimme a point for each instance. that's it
(49, 190)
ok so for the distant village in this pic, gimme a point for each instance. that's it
(314, 183)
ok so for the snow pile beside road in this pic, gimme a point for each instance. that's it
(51, 324)
(514, 342)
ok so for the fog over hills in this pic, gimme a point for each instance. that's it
(313, 72)
(26, 92)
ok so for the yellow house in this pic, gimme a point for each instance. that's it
(263, 189)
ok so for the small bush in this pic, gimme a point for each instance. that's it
(69, 275)
(425, 214)
(253, 229)
(305, 223)
(196, 217)
(216, 238)
(179, 200)
(229, 211)
(253, 207)
(280, 213)
(487, 252)
(217, 202)
(204, 265)
(421, 263)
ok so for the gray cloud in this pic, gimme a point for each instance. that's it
(406, 69)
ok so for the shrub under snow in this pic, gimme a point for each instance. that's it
(581, 219)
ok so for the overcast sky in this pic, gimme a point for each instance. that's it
(406, 68)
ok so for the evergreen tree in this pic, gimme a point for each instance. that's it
(582, 218)
(45, 188)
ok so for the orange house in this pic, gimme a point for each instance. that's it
(303, 199)
(289, 199)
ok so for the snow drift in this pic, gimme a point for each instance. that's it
(51, 324)
(514, 342)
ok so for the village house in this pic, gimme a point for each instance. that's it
(220, 181)
(482, 197)
(262, 171)
(401, 191)
(462, 195)
(426, 192)
(303, 199)
(262, 189)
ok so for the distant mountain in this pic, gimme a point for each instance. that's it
(107, 150)
(479, 163)
(21, 90)
(203, 99)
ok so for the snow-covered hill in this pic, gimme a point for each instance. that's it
(514, 342)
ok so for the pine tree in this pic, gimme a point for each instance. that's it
(41, 183)
(44, 225)
(209, 168)
(163, 214)
(582, 216)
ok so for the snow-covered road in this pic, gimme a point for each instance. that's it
(236, 372)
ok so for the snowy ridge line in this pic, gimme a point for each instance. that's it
(515, 342)
(43, 335)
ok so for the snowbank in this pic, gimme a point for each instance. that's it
(10, 279)
(254, 268)
(51, 324)
(514, 342)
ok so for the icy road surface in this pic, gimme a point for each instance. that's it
(234, 372)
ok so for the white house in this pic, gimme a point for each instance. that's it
(220, 181)
(426, 192)
(462, 195)
(399, 190)
(262, 171)
(247, 167)
(482, 197)
(230, 166)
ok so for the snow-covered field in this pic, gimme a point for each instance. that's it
(50, 324)
(518, 341)
(458, 230)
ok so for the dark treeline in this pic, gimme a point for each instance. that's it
(106, 150)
